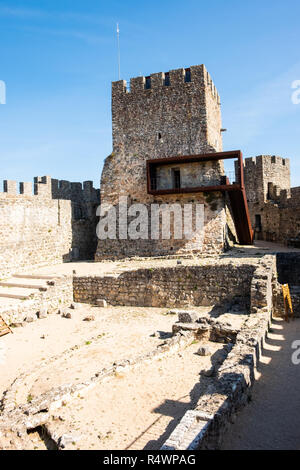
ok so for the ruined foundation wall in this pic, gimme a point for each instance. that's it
(204, 427)
(170, 287)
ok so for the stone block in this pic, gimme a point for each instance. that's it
(67, 315)
(43, 312)
(187, 316)
(101, 303)
(31, 317)
(204, 351)
(89, 318)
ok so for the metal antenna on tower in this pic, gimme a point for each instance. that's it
(119, 59)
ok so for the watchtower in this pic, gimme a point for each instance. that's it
(172, 114)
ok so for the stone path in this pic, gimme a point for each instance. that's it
(272, 419)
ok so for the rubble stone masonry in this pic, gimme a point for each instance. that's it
(274, 206)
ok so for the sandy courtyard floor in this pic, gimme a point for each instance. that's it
(136, 408)
(78, 348)
(139, 408)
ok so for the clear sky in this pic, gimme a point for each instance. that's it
(58, 58)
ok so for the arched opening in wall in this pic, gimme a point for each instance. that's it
(159, 136)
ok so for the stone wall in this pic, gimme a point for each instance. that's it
(46, 227)
(166, 114)
(209, 284)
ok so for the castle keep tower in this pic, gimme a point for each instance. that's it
(165, 115)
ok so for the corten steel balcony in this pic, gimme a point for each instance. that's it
(236, 190)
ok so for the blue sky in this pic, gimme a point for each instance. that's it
(58, 58)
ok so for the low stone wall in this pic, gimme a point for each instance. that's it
(206, 284)
(59, 294)
(203, 427)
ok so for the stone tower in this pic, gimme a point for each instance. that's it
(165, 115)
(267, 183)
(264, 172)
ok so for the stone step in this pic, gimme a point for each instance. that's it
(35, 276)
(15, 293)
(11, 289)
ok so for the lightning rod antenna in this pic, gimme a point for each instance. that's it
(119, 58)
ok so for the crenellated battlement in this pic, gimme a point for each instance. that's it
(195, 76)
(46, 187)
(258, 161)
(62, 189)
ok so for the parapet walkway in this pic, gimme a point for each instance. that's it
(271, 421)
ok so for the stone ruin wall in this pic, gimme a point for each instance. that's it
(183, 118)
(210, 284)
(270, 196)
(55, 224)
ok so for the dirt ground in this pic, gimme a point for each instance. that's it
(117, 333)
(137, 409)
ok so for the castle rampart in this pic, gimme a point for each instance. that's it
(41, 224)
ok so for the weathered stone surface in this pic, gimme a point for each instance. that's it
(51, 225)
(273, 205)
(43, 313)
(190, 124)
(67, 440)
(31, 317)
(101, 303)
(187, 316)
(89, 318)
(211, 283)
(67, 314)
(233, 373)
